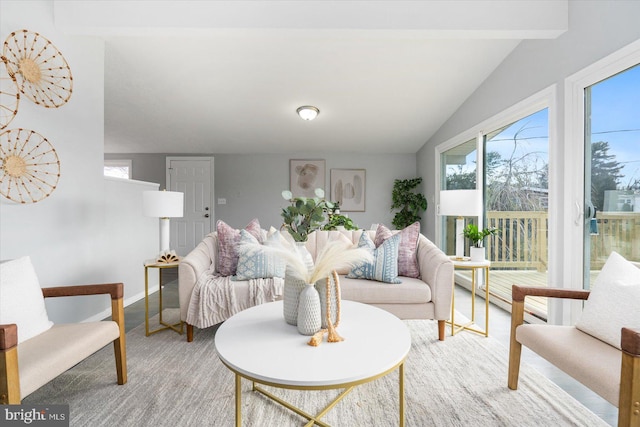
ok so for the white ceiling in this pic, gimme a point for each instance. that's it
(227, 77)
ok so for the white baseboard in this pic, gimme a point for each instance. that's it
(106, 313)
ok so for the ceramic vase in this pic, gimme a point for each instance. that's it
(321, 287)
(293, 286)
(477, 254)
(309, 313)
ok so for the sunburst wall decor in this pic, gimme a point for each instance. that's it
(41, 71)
(9, 98)
(30, 167)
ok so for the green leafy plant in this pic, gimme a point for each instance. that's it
(476, 235)
(335, 219)
(410, 203)
(305, 214)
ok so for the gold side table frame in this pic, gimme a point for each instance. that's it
(473, 266)
(177, 327)
(315, 419)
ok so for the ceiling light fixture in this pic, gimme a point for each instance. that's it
(307, 112)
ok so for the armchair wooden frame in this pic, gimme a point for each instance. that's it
(9, 373)
(629, 400)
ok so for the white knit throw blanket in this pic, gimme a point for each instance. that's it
(214, 298)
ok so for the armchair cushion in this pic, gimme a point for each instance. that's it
(21, 299)
(613, 301)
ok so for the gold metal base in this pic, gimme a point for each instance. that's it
(177, 327)
(457, 327)
(315, 419)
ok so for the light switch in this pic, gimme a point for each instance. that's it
(222, 201)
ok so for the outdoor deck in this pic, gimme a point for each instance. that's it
(500, 282)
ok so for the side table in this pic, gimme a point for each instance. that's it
(164, 325)
(473, 266)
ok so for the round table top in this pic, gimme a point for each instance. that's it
(258, 344)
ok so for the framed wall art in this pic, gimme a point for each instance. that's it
(348, 189)
(305, 176)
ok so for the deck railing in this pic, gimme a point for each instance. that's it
(522, 240)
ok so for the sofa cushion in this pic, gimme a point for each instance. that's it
(613, 301)
(407, 259)
(410, 291)
(21, 299)
(594, 363)
(228, 239)
(384, 267)
(254, 261)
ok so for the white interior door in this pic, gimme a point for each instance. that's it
(192, 176)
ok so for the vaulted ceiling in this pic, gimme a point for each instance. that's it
(227, 76)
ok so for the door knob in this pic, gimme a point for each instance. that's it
(206, 215)
(206, 208)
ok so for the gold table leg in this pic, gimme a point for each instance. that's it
(239, 401)
(456, 327)
(177, 327)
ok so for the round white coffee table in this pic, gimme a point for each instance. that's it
(257, 344)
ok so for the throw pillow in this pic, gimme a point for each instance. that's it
(228, 239)
(384, 267)
(613, 301)
(22, 302)
(256, 262)
(408, 249)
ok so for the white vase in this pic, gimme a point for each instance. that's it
(293, 286)
(477, 254)
(309, 313)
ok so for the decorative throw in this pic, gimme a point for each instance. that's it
(613, 301)
(408, 249)
(228, 239)
(21, 300)
(384, 267)
(254, 262)
(214, 299)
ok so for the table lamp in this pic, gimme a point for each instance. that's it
(163, 205)
(460, 203)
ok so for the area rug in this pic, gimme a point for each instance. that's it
(459, 382)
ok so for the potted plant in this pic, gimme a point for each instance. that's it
(410, 204)
(337, 221)
(473, 233)
(304, 215)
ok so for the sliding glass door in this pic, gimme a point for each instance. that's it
(612, 170)
(516, 188)
(509, 162)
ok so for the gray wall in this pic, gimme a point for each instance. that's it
(596, 29)
(252, 183)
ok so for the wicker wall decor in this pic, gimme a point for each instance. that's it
(41, 71)
(30, 166)
(9, 98)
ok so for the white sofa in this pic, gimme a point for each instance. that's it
(428, 297)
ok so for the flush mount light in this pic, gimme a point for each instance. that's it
(307, 112)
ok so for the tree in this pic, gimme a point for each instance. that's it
(605, 172)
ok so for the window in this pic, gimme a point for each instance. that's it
(118, 168)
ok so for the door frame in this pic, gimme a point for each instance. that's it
(210, 159)
(574, 205)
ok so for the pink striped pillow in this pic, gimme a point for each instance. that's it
(228, 239)
(407, 252)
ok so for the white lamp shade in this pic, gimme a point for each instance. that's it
(163, 204)
(460, 203)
